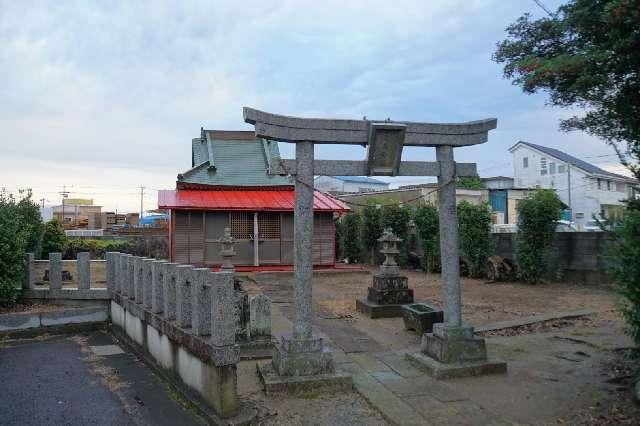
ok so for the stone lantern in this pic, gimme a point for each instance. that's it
(389, 249)
(227, 251)
(389, 290)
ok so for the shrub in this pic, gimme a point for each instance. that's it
(469, 182)
(96, 248)
(14, 238)
(53, 239)
(537, 217)
(623, 266)
(397, 217)
(349, 237)
(371, 229)
(427, 227)
(474, 223)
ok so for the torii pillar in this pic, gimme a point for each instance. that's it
(302, 357)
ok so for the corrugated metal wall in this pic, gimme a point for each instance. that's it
(195, 234)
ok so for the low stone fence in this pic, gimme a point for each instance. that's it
(55, 279)
(183, 317)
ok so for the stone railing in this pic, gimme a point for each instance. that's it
(183, 317)
(80, 279)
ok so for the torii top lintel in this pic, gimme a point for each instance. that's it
(363, 132)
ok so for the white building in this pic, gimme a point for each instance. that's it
(349, 184)
(586, 189)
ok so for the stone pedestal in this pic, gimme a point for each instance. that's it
(454, 351)
(386, 296)
(302, 365)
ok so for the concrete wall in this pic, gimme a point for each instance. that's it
(577, 256)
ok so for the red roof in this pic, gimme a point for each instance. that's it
(253, 200)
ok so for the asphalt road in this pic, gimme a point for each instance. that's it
(61, 381)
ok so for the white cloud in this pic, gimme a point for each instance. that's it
(96, 93)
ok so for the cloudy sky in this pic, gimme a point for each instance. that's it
(105, 96)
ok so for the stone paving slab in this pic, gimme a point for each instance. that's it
(392, 408)
(399, 364)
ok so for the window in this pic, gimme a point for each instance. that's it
(620, 187)
(561, 168)
(543, 166)
(552, 168)
(242, 225)
(608, 185)
(525, 162)
(599, 184)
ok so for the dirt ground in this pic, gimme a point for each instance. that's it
(561, 371)
(482, 302)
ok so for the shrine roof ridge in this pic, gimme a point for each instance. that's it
(320, 130)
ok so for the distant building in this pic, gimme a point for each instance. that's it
(585, 189)
(110, 220)
(348, 184)
(76, 213)
(503, 198)
(412, 195)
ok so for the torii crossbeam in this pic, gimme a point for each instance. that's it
(302, 354)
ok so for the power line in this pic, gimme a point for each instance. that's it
(543, 7)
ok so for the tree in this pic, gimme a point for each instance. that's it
(474, 222)
(13, 245)
(587, 55)
(32, 220)
(623, 266)
(371, 228)
(53, 239)
(350, 241)
(537, 218)
(427, 226)
(397, 217)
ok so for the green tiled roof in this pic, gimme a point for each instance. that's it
(233, 159)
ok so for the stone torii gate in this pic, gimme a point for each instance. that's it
(302, 354)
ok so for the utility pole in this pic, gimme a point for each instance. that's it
(142, 188)
(64, 194)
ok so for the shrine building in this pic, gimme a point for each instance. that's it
(229, 185)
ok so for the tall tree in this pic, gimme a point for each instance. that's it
(586, 54)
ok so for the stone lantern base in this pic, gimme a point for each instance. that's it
(386, 296)
(452, 351)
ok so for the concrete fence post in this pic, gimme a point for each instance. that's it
(169, 290)
(84, 270)
(129, 259)
(201, 302)
(184, 275)
(29, 271)
(147, 283)
(157, 286)
(223, 327)
(137, 279)
(110, 257)
(55, 271)
(122, 274)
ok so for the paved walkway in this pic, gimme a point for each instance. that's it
(86, 379)
(550, 374)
